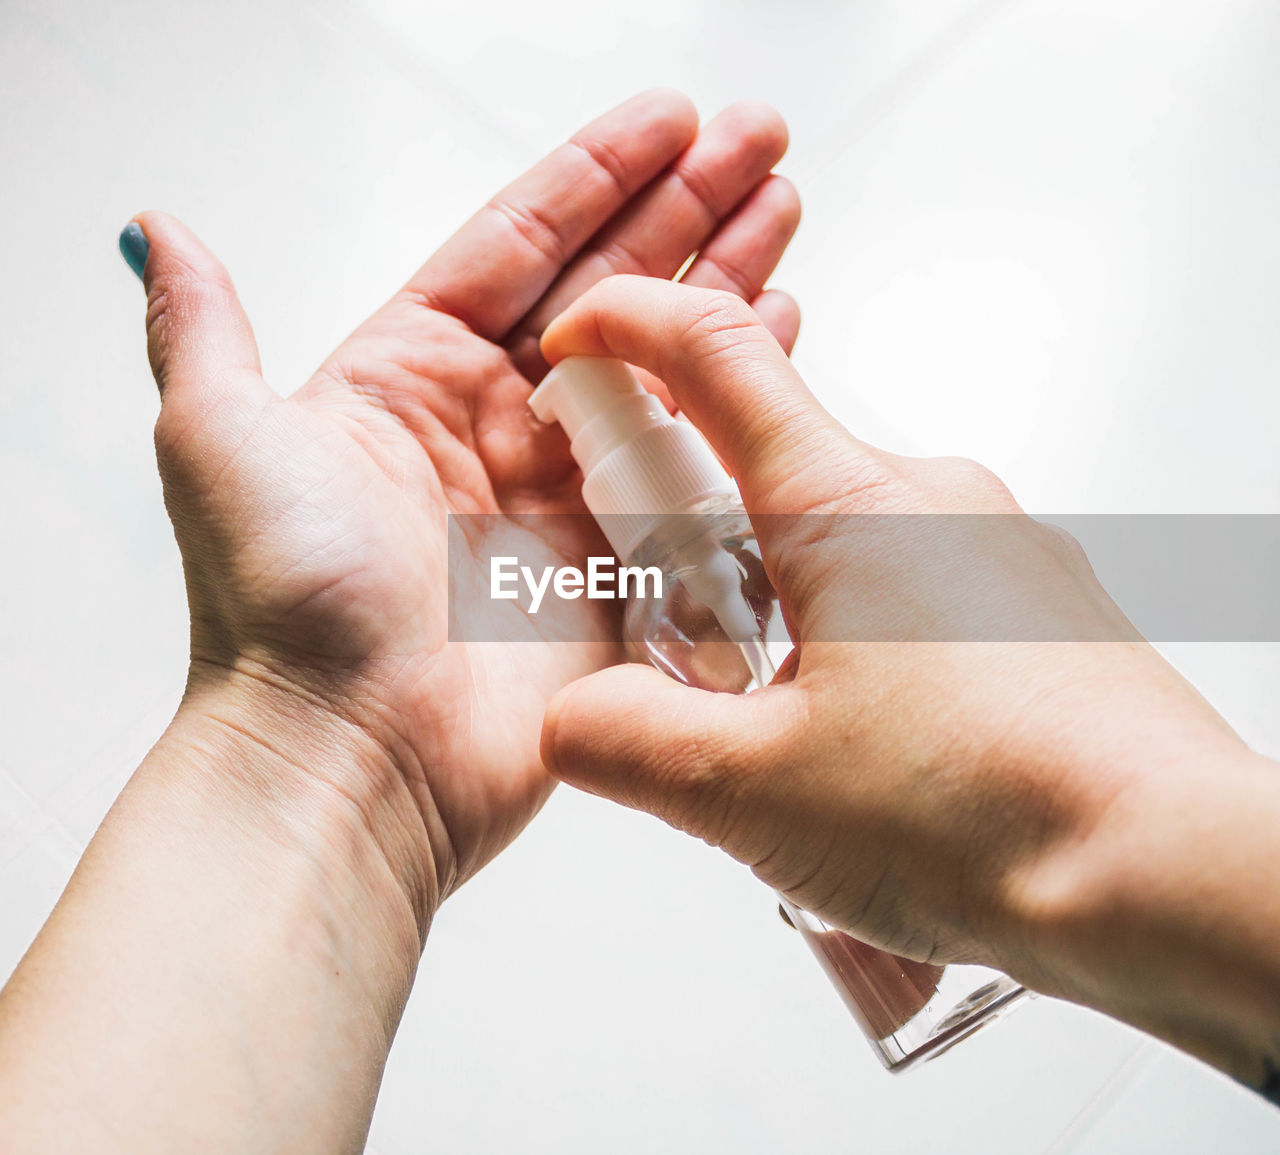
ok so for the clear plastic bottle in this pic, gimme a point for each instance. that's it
(679, 632)
(664, 501)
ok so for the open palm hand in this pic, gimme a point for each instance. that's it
(313, 527)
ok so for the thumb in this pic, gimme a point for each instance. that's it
(199, 340)
(691, 757)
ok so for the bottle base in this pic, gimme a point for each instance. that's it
(1002, 996)
(909, 1011)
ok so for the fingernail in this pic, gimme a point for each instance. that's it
(133, 247)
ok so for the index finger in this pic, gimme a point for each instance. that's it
(725, 370)
(497, 265)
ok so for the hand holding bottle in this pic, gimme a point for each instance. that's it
(1026, 804)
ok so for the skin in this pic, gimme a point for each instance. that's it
(1070, 811)
(229, 962)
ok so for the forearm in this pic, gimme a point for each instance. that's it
(1166, 914)
(229, 962)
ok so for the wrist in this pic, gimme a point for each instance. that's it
(241, 935)
(311, 777)
(1154, 910)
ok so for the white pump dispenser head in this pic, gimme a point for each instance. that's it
(639, 464)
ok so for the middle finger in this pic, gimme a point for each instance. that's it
(655, 234)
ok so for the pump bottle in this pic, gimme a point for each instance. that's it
(663, 500)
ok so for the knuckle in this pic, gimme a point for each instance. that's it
(1065, 545)
(177, 427)
(624, 257)
(732, 272)
(184, 295)
(717, 320)
(606, 159)
(965, 469)
(703, 191)
(173, 435)
(533, 227)
(713, 330)
(968, 476)
(832, 481)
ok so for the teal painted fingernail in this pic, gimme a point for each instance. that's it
(134, 247)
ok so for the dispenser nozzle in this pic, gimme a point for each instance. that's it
(581, 388)
(639, 465)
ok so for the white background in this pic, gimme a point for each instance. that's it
(1041, 233)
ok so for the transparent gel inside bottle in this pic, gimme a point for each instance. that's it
(910, 1011)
